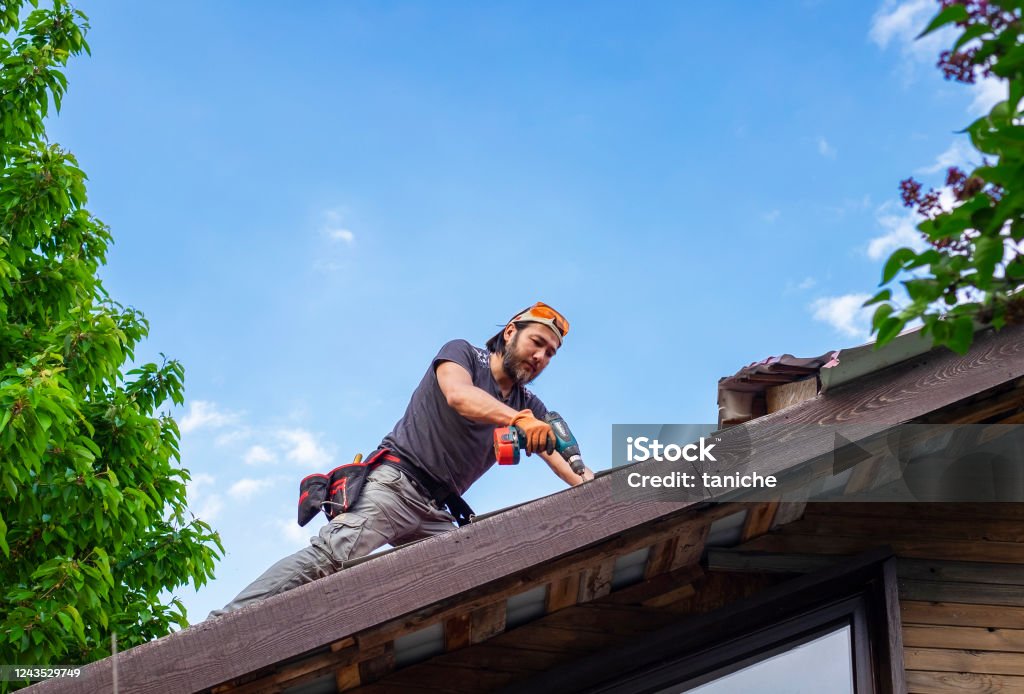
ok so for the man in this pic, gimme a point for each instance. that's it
(441, 445)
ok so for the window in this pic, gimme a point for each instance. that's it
(823, 664)
(836, 630)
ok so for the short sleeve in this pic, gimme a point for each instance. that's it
(535, 404)
(458, 351)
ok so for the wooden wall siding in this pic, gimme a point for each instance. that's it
(961, 582)
(476, 623)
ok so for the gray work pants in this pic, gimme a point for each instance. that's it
(391, 509)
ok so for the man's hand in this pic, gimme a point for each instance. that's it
(539, 436)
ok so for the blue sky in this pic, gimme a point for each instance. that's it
(309, 199)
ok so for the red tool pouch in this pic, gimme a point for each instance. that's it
(312, 493)
(337, 491)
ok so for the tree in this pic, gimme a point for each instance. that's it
(94, 528)
(971, 271)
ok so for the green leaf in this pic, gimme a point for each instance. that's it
(962, 335)
(988, 252)
(972, 32)
(953, 13)
(923, 290)
(884, 295)
(880, 315)
(895, 263)
(889, 329)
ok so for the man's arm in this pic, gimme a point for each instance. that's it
(561, 467)
(468, 400)
(477, 404)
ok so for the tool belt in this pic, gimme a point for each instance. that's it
(441, 495)
(337, 491)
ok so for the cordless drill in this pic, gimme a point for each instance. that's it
(508, 441)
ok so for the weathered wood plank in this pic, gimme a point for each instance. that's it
(923, 548)
(963, 638)
(448, 678)
(864, 476)
(601, 617)
(733, 559)
(341, 654)
(979, 593)
(487, 621)
(661, 556)
(720, 588)
(530, 536)
(596, 580)
(347, 677)
(961, 571)
(782, 396)
(951, 527)
(890, 663)
(962, 614)
(986, 662)
(456, 632)
(760, 518)
(671, 597)
(972, 412)
(937, 511)
(789, 511)
(730, 559)
(922, 682)
(691, 544)
(563, 592)
(660, 585)
(372, 669)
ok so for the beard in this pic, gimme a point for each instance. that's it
(515, 366)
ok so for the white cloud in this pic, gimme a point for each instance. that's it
(334, 228)
(900, 230)
(234, 436)
(257, 455)
(246, 488)
(342, 235)
(825, 149)
(900, 20)
(959, 154)
(845, 313)
(899, 23)
(210, 508)
(296, 536)
(771, 216)
(204, 414)
(195, 485)
(303, 448)
(807, 283)
(203, 504)
(988, 91)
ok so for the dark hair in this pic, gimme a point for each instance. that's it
(496, 345)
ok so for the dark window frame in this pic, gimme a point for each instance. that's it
(724, 658)
(861, 591)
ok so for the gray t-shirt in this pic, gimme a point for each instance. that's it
(454, 450)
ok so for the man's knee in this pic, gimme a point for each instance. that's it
(349, 536)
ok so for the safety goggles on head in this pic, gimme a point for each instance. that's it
(542, 313)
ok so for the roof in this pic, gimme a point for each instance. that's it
(569, 545)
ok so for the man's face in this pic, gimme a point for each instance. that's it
(528, 351)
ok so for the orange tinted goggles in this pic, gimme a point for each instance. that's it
(542, 313)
